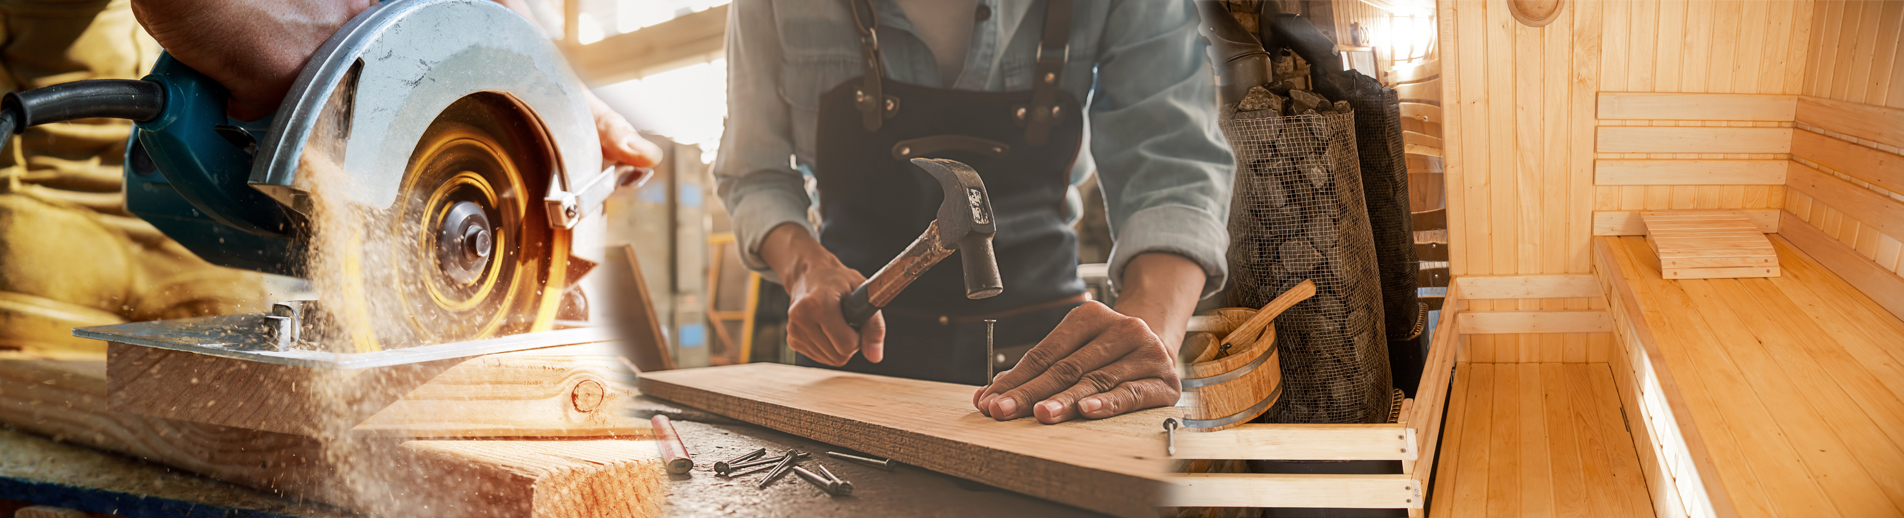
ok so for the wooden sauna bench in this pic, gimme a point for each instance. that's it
(1779, 396)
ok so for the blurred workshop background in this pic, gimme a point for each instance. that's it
(661, 64)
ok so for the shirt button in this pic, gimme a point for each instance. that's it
(984, 13)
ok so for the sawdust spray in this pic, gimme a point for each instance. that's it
(349, 272)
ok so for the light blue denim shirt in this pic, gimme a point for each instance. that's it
(1138, 65)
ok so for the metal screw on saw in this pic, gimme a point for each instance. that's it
(885, 464)
(727, 466)
(1170, 436)
(840, 485)
(779, 470)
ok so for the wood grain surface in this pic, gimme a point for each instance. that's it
(67, 401)
(1113, 466)
(567, 391)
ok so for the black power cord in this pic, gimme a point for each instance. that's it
(99, 98)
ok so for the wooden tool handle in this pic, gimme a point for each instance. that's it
(1269, 312)
(673, 451)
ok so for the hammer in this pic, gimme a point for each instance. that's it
(964, 224)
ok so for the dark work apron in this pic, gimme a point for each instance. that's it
(873, 202)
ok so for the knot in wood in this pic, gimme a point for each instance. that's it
(587, 396)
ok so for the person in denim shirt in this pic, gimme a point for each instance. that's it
(1016, 89)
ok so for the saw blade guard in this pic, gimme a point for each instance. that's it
(367, 97)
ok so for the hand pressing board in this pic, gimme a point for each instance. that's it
(1113, 466)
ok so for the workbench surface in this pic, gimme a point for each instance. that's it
(38, 470)
(905, 491)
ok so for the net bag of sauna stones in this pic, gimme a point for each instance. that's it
(1297, 213)
(1378, 138)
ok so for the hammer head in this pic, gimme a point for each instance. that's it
(965, 224)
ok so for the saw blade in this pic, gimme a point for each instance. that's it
(465, 253)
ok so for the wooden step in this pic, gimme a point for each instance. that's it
(1708, 245)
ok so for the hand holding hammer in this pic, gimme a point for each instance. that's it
(821, 287)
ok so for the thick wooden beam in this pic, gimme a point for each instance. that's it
(1277, 490)
(1114, 466)
(1533, 322)
(1885, 170)
(1883, 286)
(694, 38)
(569, 391)
(1866, 121)
(381, 477)
(1528, 286)
(1883, 213)
(1302, 442)
(1628, 223)
(1688, 172)
(1696, 106)
(1680, 139)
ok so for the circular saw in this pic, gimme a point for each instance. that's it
(426, 170)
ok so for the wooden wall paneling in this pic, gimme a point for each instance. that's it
(1882, 285)
(1467, 172)
(1533, 322)
(1556, 190)
(1869, 121)
(1627, 223)
(1589, 24)
(1641, 139)
(1890, 33)
(1895, 98)
(1752, 47)
(1880, 168)
(1882, 213)
(1527, 286)
(1674, 32)
(1829, 15)
(1689, 172)
(1865, 47)
(1800, 44)
(1514, 141)
(1695, 106)
(1725, 42)
(1644, 33)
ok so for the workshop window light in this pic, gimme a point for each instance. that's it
(687, 104)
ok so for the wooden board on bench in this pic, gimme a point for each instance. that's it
(1707, 245)
(1114, 466)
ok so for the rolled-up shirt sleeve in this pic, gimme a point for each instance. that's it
(752, 173)
(1162, 163)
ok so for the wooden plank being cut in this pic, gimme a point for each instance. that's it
(1113, 466)
(1709, 245)
(568, 391)
(375, 476)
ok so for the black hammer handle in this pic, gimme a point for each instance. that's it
(857, 307)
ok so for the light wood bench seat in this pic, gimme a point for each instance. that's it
(1779, 396)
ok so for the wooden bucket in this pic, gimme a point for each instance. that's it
(1232, 380)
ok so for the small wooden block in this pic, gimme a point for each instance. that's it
(1709, 245)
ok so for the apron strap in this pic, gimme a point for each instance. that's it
(1053, 50)
(872, 103)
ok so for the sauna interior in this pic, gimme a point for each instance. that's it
(1591, 378)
